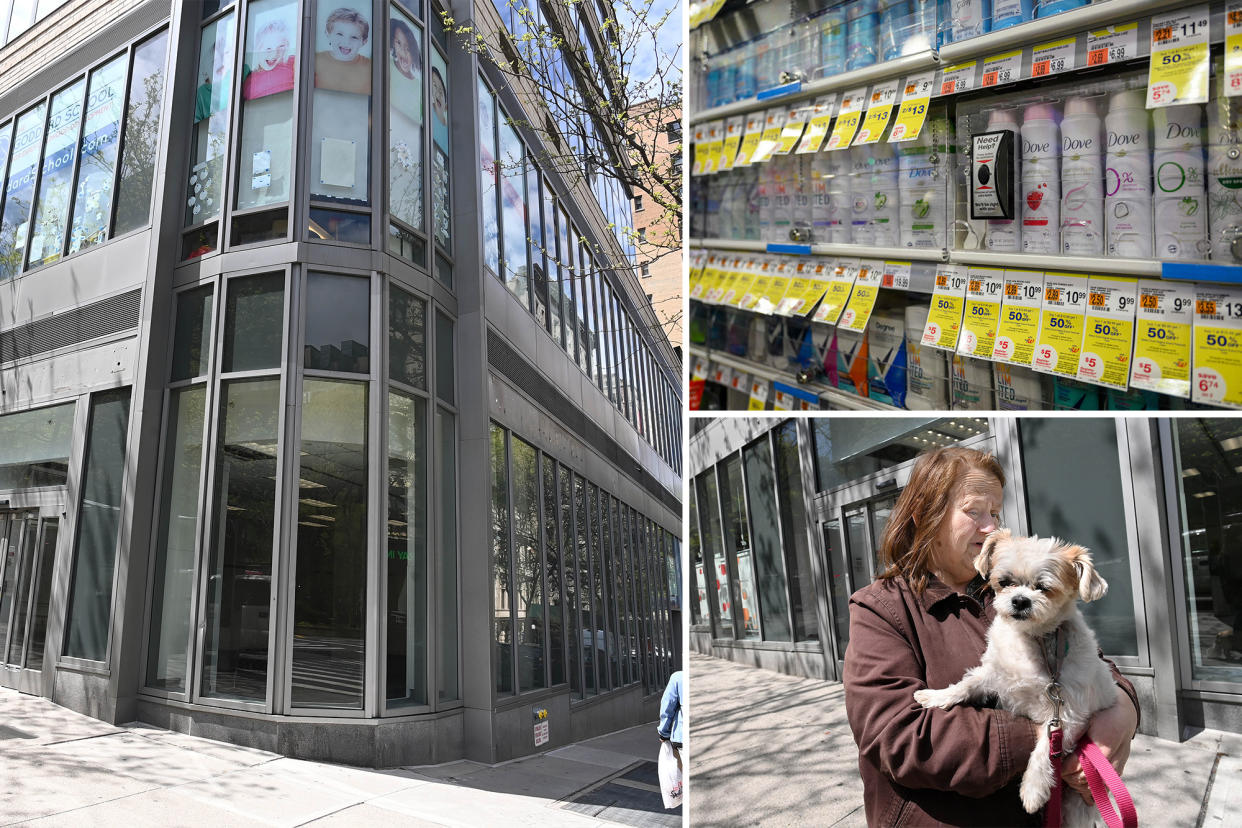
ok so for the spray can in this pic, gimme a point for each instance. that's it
(1127, 177)
(1041, 180)
(1179, 195)
(1082, 172)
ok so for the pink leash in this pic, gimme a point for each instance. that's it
(1102, 779)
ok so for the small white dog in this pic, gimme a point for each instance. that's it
(1037, 638)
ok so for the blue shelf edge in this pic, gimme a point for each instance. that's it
(779, 91)
(790, 249)
(800, 393)
(1183, 271)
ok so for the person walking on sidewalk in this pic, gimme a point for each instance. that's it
(922, 624)
(672, 712)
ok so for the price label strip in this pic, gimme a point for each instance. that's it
(958, 78)
(1061, 324)
(915, 99)
(747, 273)
(740, 380)
(984, 291)
(698, 263)
(879, 108)
(817, 129)
(896, 275)
(1162, 337)
(715, 142)
(733, 131)
(699, 371)
(1053, 58)
(758, 395)
(1233, 49)
(840, 285)
(802, 282)
(820, 275)
(1112, 45)
(847, 119)
(721, 374)
(862, 301)
(1002, 69)
(1019, 322)
(750, 139)
(1216, 378)
(795, 122)
(708, 278)
(944, 319)
(1178, 73)
(1109, 338)
(773, 123)
(775, 291)
(759, 285)
(726, 290)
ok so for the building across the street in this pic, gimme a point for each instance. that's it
(333, 418)
(786, 516)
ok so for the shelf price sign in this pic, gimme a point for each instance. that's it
(795, 122)
(1019, 322)
(958, 78)
(715, 140)
(700, 149)
(1233, 49)
(822, 111)
(840, 285)
(798, 296)
(944, 319)
(1217, 374)
(750, 139)
(896, 275)
(721, 374)
(1179, 58)
(847, 119)
(1108, 341)
(915, 98)
(707, 276)
(773, 123)
(984, 290)
(747, 273)
(758, 395)
(1061, 324)
(862, 301)
(777, 285)
(1053, 58)
(879, 108)
(1003, 68)
(1112, 45)
(1162, 337)
(759, 285)
(733, 132)
(727, 290)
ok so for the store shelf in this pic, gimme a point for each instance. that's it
(1058, 264)
(852, 251)
(837, 399)
(729, 244)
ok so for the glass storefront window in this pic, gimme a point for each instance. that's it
(599, 625)
(92, 200)
(191, 355)
(205, 187)
(407, 550)
(446, 479)
(573, 620)
(43, 595)
(51, 213)
(34, 447)
(550, 256)
(19, 190)
(699, 613)
(487, 179)
(1209, 454)
(793, 522)
(265, 143)
(512, 164)
(760, 490)
(405, 119)
(502, 594)
(586, 623)
(445, 382)
(407, 338)
(338, 323)
(254, 322)
(552, 545)
(718, 574)
(528, 604)
(340, 156)
(141, 142)
(737, 543)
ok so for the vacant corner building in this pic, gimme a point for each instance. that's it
(332, 418)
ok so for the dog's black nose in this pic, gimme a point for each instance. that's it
(1020, 602)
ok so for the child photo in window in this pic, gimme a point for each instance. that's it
(340, 62)
(269, 61)
(439, 108)
(406, 65)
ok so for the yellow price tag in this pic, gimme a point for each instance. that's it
(817, 128)
(840, 284)
(984, 288)
(1061, 324)
(758, 396)
(1108, 340)
(790, 134)
(771, 137)
(873, 125)
(732, 141)
(1178, 72)
(1018, 330)
(1216, 378)
(1162, 338)
(944, 318)
(843, 133)
(862, 301)
(915, 100)
(772, 294)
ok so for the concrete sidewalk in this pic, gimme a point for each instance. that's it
(769, 749)
(61, 768)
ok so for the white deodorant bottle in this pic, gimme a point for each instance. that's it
(1082, 173)
(1224, 181)
(923, 180)
(1041, 180)
(1127, 177)
(1179, 195)
(1005, 235)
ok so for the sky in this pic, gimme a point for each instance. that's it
(669, 44)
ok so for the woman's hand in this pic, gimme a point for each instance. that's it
(1111, 729)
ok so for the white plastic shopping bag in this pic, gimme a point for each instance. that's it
(670, 776)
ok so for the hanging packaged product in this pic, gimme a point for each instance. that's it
(927, 375)
(984, 287)
(886, 359)
(1178, 73)
(944, 321)
(1018, 330)
(879, 108)
(971, 384)
(862, 301)
(847, 370)
(822, 111)
(1018, 388)
(1224, 174)
(1072, 395)
(840, 285)
(847, 119)
(873, 188)
(1061, 324)
(994, 173)
(1217, 375)
(923, 180)
(1108, 340)
(1162, 337)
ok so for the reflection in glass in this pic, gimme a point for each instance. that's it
(444, 358)
(552, 545)
(8, 584)
(588, 642)
(142, 131)
(446, 436)
(99, 525)
(405, 120)
(266, 140)
(793, 521)
(440, 152)
(603, 645)
(407, 338)
(487, 179)
(338, 225)
(43, 594)
(407, 550)
(606, 592)
(254, 322)
(205, 187)
(699, 612)
(34, 447)
(20, 578)
(838, 585)
(329, 608)
(501, 601)
(760, 488)
(101, 134)
(528, 562)
(192, 337)
(714, 554)
(573, 624)
(239, 568)
(19, 191)
(60, 149)
(737, 542)
(174, 557)
(548, 241)
(338, 323)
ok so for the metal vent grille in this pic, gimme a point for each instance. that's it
(110, 316)
(503, 358)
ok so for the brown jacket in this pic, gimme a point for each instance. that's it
(930, 767)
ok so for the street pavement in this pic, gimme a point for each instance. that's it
(58, 768)
(770, 749)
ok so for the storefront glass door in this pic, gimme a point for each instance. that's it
(27, 558)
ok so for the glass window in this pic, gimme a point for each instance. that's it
(405, 119)
(529, 606)
(173, 576)
(1073, 491)
(550, 263)
(587, 643)
(92, 199)
(34, 447)
(760, 489)
(338, 323)
(407, 338)
(552, 545)
(99, 525)
(502, 603)
(446, 477)
(23, 17)
(538, 269)
(254, 322)
(512, 164)
(440, 144)
(699, 613)
(141, 141)
(793, 522)
(239, 560)
(43, 596)
(191, 355)
(51, 211)
(406, 661)
(341, 110)
(573, 622)
(714, 553)
(205, 187)
(487, 178)
(266, 132)
(19, 192)
(445, 381)
(621, 589)
(599, 623)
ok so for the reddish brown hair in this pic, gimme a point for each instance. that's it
(923, 506)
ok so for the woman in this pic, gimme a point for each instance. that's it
(923, 623)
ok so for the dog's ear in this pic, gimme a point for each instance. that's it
(1091, 587)
(983, 561)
